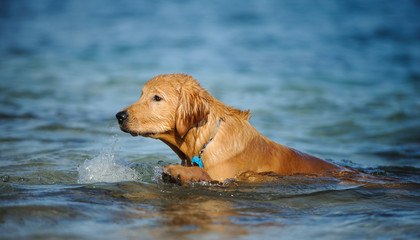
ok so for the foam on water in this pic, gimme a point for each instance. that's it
(107, 167)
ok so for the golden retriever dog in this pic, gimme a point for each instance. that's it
(215, 142)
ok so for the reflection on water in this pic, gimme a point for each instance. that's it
(337, 79)
(156, 210)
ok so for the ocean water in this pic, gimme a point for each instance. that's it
(336, 79)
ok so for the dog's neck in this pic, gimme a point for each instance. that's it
(197, 160)
(196, 138)
(233, 121)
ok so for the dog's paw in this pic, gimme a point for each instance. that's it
(181, 174)
(171, 175)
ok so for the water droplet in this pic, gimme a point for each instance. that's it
(5, 178)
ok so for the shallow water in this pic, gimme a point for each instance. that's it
(337, 79)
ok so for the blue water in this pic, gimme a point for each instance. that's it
(337, 79)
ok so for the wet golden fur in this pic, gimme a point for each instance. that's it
(177, 110)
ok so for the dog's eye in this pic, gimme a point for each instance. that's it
(157, 98)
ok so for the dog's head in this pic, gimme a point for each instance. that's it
(171, 103)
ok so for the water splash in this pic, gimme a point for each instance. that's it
(107, 167)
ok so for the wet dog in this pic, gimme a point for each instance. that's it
(215, 142)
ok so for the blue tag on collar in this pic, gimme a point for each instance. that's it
(197, 160)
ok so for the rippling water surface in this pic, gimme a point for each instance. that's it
(337, 79)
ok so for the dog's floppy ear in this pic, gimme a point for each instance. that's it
(193, 107)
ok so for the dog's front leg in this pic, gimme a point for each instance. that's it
(181, 174)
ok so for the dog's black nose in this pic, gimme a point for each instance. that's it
(122, 116)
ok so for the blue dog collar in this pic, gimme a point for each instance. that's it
(197, 160)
